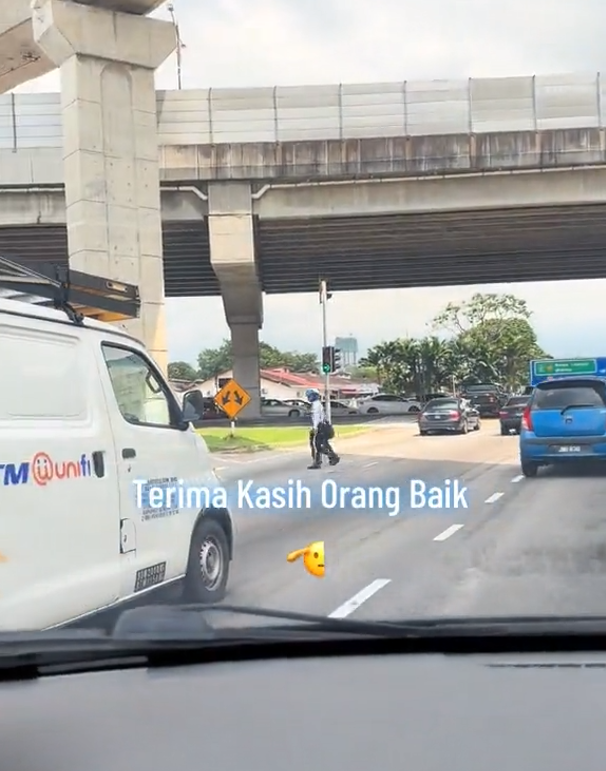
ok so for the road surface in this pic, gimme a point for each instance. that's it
(522, 546)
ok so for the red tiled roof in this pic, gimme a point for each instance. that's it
(287, 378)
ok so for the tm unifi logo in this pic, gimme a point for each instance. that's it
(43, 469)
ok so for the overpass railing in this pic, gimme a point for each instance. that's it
(308, 113)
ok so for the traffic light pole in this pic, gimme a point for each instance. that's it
(324, 303)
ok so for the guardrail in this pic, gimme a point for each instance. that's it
(358, 111)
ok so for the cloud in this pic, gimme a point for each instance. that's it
(247, 43)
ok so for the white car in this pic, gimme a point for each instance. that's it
(388, 404)
(275, 408)
(341, 410)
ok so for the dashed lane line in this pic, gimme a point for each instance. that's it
(494, 497)
(448, 532)
(347, 608)
(517, 479)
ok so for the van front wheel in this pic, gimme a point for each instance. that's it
(208, 564)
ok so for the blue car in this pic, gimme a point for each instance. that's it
(564, 422)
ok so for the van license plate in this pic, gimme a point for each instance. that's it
(569, 448)
(151, 576)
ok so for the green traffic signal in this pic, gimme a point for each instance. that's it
(326, 368)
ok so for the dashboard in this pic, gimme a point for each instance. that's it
(391, 712)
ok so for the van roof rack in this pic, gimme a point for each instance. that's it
(79, 295)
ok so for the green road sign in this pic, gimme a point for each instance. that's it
(565, 367)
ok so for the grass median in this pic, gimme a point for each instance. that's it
(266, 437)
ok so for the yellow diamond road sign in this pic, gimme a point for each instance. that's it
(232, 398)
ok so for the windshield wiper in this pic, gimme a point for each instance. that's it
(574, 406)
(182, 621)
(178, 623)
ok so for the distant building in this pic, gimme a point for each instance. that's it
(349, 351)
(281, 384)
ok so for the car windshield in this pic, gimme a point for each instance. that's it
(262, 353)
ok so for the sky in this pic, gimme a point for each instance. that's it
(250, 43)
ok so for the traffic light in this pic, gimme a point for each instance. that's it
(331, 359)
(336, 359)
(324, 291)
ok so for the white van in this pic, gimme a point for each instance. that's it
(85, 418)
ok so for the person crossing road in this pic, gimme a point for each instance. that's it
(321, 432)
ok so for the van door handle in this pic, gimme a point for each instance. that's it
(128, 452)
(99, 463)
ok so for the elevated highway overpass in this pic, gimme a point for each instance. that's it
(266, 190)
(441, 182)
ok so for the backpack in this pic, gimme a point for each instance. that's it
(328, 430)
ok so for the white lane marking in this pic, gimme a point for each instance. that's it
(517, 479)
(370, 465)
(270, 458)
(494, 497)
(448, 532)
(360, 598)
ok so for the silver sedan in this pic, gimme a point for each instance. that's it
(449, 414)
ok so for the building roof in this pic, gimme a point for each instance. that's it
(278, 375)
(298, 380)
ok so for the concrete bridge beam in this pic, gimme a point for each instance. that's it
(233, 258)
(110, 151)
(21, 59)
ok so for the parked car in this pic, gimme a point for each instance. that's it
(510, 415)
(300, 403)
(340, 409)
(275, 408)
(388, 404)
(564, 422)
(451, 414)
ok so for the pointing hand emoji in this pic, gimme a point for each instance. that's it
(313, 558)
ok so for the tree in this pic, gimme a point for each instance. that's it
(214, 361)
(271, 358)
(459, 318)
(491, 340)
(410, 365)
(508, 344)
(181, 370)
(364, 372)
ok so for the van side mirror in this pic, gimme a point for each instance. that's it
(192, 406)
(188, 414)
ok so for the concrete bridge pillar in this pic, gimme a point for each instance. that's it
(232, 256)
(110, 150)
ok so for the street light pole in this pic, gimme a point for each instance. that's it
(324, 303)
(171, 10)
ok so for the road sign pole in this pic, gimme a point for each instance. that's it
(324, 303)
